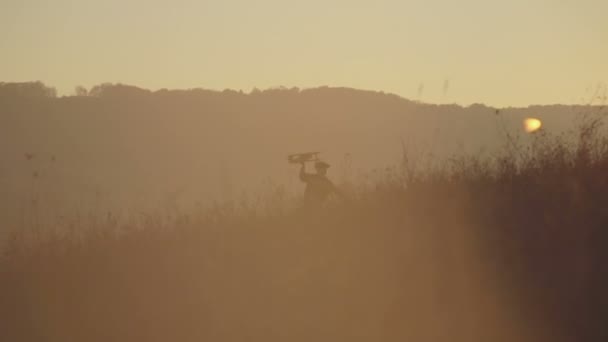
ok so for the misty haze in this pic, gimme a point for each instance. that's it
(303, 171)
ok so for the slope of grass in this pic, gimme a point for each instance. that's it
(498, 249)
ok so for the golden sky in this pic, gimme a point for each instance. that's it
(502, 53)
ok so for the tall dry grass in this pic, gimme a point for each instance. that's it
(501, 248)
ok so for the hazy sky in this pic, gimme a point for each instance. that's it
(509, 52)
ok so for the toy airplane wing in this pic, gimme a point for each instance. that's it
(303, 157)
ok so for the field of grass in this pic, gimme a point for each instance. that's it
(504, 248)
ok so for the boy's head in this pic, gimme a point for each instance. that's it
(321, 167)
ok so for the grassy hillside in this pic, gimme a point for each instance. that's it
(507, 247)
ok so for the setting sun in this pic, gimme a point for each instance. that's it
(532, 125)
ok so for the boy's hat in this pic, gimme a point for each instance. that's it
(321, 165)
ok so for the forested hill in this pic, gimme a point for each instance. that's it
(122, 144)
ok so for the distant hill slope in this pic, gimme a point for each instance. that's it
(129, 146)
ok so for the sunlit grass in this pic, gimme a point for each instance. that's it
(453, 252)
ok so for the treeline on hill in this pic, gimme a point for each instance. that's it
(116, 146)
(500, 247)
